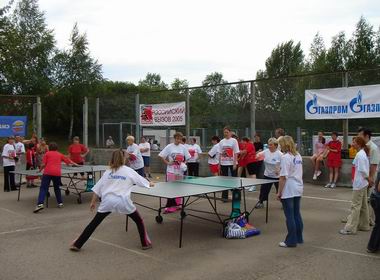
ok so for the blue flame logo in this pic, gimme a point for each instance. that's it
(359, 98)
(355, 104)
(311, 105)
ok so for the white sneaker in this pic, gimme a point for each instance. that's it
(315, 176)
(252, 189)
(333, 185)
(60, 205)
(38, 208)
(319, 172)
(282, 244)
(328, 185)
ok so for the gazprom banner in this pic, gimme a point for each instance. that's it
(343, 103)
(12, 126)
(168, 114)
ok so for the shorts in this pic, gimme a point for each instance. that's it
(334, 163)
(253, 168)
(214, 168)
(146, 161)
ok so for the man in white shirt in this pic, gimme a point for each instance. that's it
(228, 152)
(20, 153)
(134, 156)
(193, 162)
(374, 159)
(110, 143)
(145, 152)
(9, 162)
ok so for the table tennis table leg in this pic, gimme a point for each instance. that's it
(126, 223)
(266, 211)
(19, 188)
(183, 215)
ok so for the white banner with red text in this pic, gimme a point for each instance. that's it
(166, 114)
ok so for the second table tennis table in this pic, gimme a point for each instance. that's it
(193, 189)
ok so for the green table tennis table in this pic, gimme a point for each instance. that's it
(194, 188)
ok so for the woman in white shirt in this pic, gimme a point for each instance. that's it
(134, 156)
(213, 156)
(174, 156)
(9, 164)
(290, 191)
(272, 160)
(114, 188)
(193, 162)
(359, 216)
(145, 152)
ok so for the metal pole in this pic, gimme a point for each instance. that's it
(85, 121)
(39, 117)
(187, 114)
(121, 134)
(203, 138)
(253, 109)
(137, 112)
(168, 136)
(345, 122)
(97, 123)
(103, 135)
(299, 139)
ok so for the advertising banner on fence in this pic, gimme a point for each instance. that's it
(168, 114)
(12, 126)
(343, 103)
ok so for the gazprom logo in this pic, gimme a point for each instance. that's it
(356, 103)
(313, 108)
(312, 104)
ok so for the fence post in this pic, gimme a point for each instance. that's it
(299, 140)
(345, 122)
(39, 117)
(187, 113)
(253, 109)
(204, 140)
(97, 123)
(85, 121)
(121, 134)
(137, 112)
(168, 136)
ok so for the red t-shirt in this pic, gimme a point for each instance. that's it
(52, 161)
(251, 153)
(76, 151)
(241, 156)
(335, 145)
(30, 154)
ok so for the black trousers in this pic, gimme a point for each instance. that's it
(227, 170)
(265, 189)
(193, 169)
(9, 178)
(99, 217)
(374, 241)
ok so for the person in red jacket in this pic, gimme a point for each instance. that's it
(51, 166)
(250, 160)
(78, 152)
(334, 159)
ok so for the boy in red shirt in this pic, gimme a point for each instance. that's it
(51, 166)
(78, 152)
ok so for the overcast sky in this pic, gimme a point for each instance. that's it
(190, 39)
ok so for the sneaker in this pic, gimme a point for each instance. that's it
(60, 205)
(146, 247)
(319, 172)
(343, 220)
(371, 251)
(315, 176)
(328, 185)
(252, 189)
(345, 232)
(259, 205)
(333, 185)
(38, 208)
(282, 244)
(74, 248)
(169, 210)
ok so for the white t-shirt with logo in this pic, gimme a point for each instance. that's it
(228, 148)
(291, 168)
(145, 145)
(177, 154)
(20, 148)
(213, 155)
(361, 164)
(272, 162)
(8, 151)
(136, 161)
(194, 151)
(114, 188)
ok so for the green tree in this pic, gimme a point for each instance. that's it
(76, 74)
(26, 50)
(337, 55)
(317, 56)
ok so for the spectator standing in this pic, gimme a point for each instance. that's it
(193, 162)
(334, 159)
(9, 163)
(110, 143)
(145, 152)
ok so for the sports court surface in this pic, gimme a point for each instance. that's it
(35, 246)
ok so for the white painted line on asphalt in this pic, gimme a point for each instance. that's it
(12, 212)
(347, 252)
(128, 250)
(23, 230)
(327, 199)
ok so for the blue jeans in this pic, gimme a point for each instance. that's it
(293, 220)
(141, 172)
(45, 182)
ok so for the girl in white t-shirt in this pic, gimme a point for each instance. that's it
(272, 161)
(134, 156)
(9, 163)
(213, 156)
(193, 162)
(174, 156)
(290, 191)
(359, 216)
(114, 188)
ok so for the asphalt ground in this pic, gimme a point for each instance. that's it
(35, 246)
